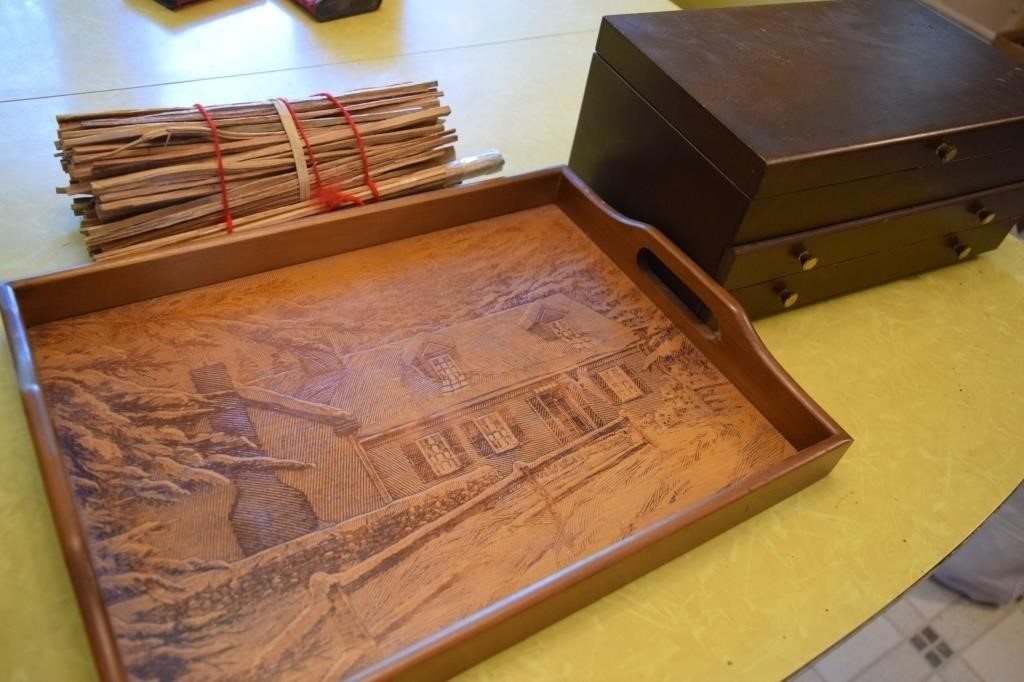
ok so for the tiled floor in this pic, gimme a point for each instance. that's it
(929, 634)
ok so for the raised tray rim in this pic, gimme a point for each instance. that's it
(35, 300)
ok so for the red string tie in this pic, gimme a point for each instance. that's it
(359, 142)
(330, 196)
(220, 167)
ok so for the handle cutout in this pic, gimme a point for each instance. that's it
(696, 310)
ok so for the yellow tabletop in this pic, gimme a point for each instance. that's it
(926, 373)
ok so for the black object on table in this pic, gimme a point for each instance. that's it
(322, 10)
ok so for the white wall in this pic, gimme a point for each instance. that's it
(985, 17)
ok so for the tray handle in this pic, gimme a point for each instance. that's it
(666, 275)
(674, 274)
(659, 267)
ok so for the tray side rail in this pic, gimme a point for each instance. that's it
(650, 260)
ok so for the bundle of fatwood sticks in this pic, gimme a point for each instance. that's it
(146, 179)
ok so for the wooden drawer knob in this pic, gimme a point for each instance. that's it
(963, 251)
(946, 152)
(807, 260)
(985, 216)
(788, 298)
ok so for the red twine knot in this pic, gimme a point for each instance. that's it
(329, 196)
(359, 142)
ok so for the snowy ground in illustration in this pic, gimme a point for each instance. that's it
(175, 464)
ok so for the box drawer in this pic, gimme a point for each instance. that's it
(832, 204)
(935, 151)
(768, 298)
(761, 261)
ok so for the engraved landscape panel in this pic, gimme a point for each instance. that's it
(300, 473)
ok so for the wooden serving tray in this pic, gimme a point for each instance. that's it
(393, 440)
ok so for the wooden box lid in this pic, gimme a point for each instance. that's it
(787, 97)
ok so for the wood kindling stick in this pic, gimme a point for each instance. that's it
(433, 177)
(130, 199)
(146, 179)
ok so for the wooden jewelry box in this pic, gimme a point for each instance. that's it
(804, 150)
(392, 440)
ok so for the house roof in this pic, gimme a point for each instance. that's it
(385, 387)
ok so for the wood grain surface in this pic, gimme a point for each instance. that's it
(353, 465)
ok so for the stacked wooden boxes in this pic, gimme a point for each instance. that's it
(805, 150)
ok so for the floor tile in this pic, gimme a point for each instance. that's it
(905, 617)
(904, 663)
(855, 654)
(964, 621)
(957, 670)
(930, 598)
(999, 653)
(807, 675)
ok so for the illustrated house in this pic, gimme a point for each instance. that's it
(512, 386)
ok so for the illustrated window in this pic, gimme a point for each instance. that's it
(565, 419)
(452, 378)
(439, 454)
(565, 331)
(621, 384)
(497, 432)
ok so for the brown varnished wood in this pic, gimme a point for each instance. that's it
(73, 541)
(734, 338)
(792, 96)
(645, 169)
(913, 188)
(743, 132)
(554, 600)
(376, 414)
(763, 260)
(89, 288)
(824, 282)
